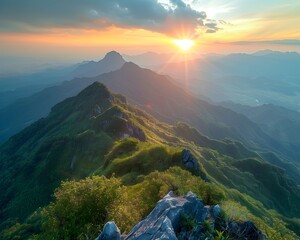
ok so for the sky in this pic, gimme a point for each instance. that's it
(62, 31)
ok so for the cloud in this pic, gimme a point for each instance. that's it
(170, 19)
(212, 25)
(210, 31)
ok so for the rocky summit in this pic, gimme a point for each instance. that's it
(184, 217)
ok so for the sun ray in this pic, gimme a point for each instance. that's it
(184, 44)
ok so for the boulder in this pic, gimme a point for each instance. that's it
(215, 211)
(246, 230)
(189, 161)
(110, 232)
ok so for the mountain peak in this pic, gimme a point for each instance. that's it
(130, 66)
(89, 102)
(111, 62)
(113, 56)
(95, 89)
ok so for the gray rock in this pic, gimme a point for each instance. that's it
(170, 194)
(189, 161)
(204, 213)
(164, 220)
(110, 232)
(246, 230)
(233, 228)
(182, 218)
(215, 211)
(135, 131)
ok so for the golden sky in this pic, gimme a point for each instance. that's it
(70, 31)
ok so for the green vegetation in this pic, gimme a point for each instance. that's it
(144, 159)
(187, 222)
(270, 224)
(108, 160)
(273, 184)
(80, 208)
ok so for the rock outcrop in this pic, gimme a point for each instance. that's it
(240, 229)
(184, 217)
(135, 131)
(110, 232)
(189, 161)
(165, 219)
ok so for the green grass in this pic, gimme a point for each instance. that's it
(141, 159)
(74, 142)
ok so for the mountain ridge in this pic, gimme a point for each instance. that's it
(279, 122)
(159, 96)
(19, 114)
(96, 133)
(168, 102)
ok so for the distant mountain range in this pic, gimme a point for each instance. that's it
(278, 122)
(13, 88)
(158, 95)
(250, 79)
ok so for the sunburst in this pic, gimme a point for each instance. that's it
(184, 44)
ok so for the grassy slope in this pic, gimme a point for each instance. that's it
(76, 140)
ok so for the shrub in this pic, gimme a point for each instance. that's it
(80, 208)
(157, 184)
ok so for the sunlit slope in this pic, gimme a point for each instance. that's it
(97, 132)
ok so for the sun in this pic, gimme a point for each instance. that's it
(184, 44)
